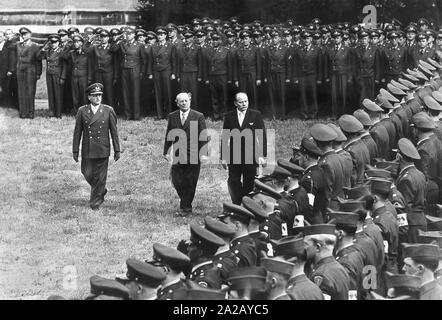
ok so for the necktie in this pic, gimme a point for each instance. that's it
(241, 118)
(183, 118)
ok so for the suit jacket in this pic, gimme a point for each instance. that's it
(195, 139)
(27, 57)
(4, 62)
(95, 129)
(256, 142)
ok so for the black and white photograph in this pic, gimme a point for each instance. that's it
(228, 150)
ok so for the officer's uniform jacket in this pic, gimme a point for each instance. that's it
(225, 261)
(132, 55)
(431, 291)
(352, 260)
(245, 249)
(55, 64)
(163, 58)
(302, 288)
(390, 230)
(206, 274)
(313, 181)
(190, 59)
(396, 60)
(361, 157)
(172, 290)
(248, 60)
(95, 129)
(347, 166)
(104, 60)
(309, 61)
(218, 61)
(369, 142)
(369, 62)
(27, 57)
(380, 135)
(331, 165)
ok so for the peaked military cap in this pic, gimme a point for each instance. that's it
(235, 211)
(392, 166)
(24, 30)
(349, 123)
(396, 91)
(160, 29)
(200, 33)
(408, 84)
(322, 132)
(108, 287)
(422, 120)
(254, 208)
(54, 38)
(374, 34)
(319, 229)
(399, 86)
(98, 30)
(280, 173)
(144, 273)
(340, 135)
(393, 34)
(364, 33)
(247, 278)
(140, 32)
(294, 169)
(434, 223)
(219, 228)
(411, 29)
(407, 148)
(290, 246)
(88, 30)
(151, 35)
(267, 190)
(381, 186)
(95, 88)
(437, 95)
(77, 37)
(215, 36)
(204, 237)
(420, 252)
(73, 30)
(308, 146)
(63, 32)
(422, 36)
(427, 65)
(104, 33)
(411, 77)
(387, 95)
(230, 33)
(431, 103)
(170, 256)
(188, 34)
(363, 117)
(277, 266)
(171, 27)
(434, 63)
(196, 21)
(374, 172)
(115, 31)
(306, 34)
(244, 34)
(336, 33)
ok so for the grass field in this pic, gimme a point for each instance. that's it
(51, 242)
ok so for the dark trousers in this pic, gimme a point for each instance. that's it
(339, 84)
(55, 95)
(237, 188)
(189, 83)
(106, 79)
(130, 80)
(79, 86)
(309, 95)
(67, 95)
(95, 173)
(366, 85)
(4, 98)
(247, 84)
(12, 91)
(184, 179)
(276, 90)
(163, 92)
(218, 94)
(27, 80)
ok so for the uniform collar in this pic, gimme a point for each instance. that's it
(223, 250)
(352, 142)
(428, 287)
(199, 265)
(405, 168)
(171, 283)
(310, 166)
(239, 237)
(422, 141)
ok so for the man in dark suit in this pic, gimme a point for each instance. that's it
(3, 70)
(243, 147)
(94, 122)
(186, 134)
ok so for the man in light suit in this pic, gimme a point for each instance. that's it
(186, 134)
(243, 147)
(94, 122)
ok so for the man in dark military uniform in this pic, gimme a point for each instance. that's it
(346, 252)
(203, 246)
(344, 156)
(9, 49)
(328, 274)
(80, 70)
(378, 131)
(225, 260)
(358, 150)
(329, 162)
(217, 74)
(421, 51)
(248, 68)
(278, 274)
(94, 122)
(173, 263)
(339, 73)
(142, 279)
(162, 69)
(312, 178)
(299, 287)
(116, 35)
(422, 260)
(133, 65)
(107, 289)
(308, 71)
(411, 32)
(28, 70)
(248, 283)
(190, 68)
(396, 58)
(365, 136)
(242, 245)
(55, 74)
(412, 184)
(369, 66)
(105, 65)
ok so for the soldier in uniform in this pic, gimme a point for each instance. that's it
(377, 131)
(107, 289)
(11, 82)
(248, 68)
(94, 122)
(55, 74)
(329, 162)
(411, 32)
(105, 66)
(242, 245)
(248, 283)
(28, 70)
(412, 184)
(224, 258)
(345, 156)
(328, 274)
(421, 51)
(217, 74)
(396, 58)
(203, 246)
(133, 62)
(173, 263)
(366, 138)
(308, 70)
(278, 274)
(162, 69)
(190, 68)
(115, 34)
